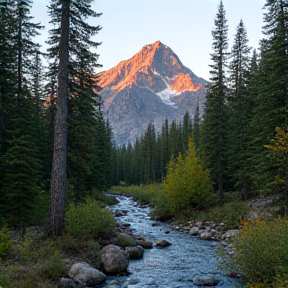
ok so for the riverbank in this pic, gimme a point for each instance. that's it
(41, 262)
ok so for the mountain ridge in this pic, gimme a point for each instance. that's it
(153, 83)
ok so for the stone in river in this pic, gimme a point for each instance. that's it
(163, 243)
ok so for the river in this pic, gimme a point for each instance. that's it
(175, 266)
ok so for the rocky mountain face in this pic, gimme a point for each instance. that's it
(149, 87)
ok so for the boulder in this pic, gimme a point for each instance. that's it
(85, 274)
(113, 259)
(194, 231)
(118, 213)
(124, 240)
(205, 280)
(135, 252)
(163, 243)
(205, 235)
(66, 283)
(231, 233)
(145, 244)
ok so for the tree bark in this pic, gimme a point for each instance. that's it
(58, 177)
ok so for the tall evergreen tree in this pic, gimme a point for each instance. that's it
(148, 150)
(20, 160)
(239, 110)
(214, 119)
(76, 68)
(196, 128)
(165, 152)
(58, 181)
(272, 94)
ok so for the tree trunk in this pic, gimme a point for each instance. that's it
(58, 177)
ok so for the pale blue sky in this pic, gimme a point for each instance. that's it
(184, 25)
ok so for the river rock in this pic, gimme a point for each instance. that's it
(135, 252)
(163, 243)
(113, 259)
(145, 244)
(124, 240)
(231, 233)
(194, 231)
(85, 274)
(205, 235)
(205, 280)
(66, 283)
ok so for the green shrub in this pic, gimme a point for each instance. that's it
(100, 196)
(5, 280)
(89, 221)
(229, 213)
(139, 193)
(187, 184)
(161, 205)
(28, 251)
(5, 242)
(53, 267)
(262, 253)
(148, 194)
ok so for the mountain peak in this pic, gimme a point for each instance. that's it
(150, 86)
(152, 62)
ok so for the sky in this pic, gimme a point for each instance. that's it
(183, 25)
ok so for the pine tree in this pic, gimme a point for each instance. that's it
(239, 110)
(20, 160)
(186, 131)
(58, 181)
(7, 60)
(148, 156)
(214, 118)
(196, 128)
(272, 94)
(76, 71)
(165, 152)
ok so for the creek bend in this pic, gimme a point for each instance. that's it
(172, 267)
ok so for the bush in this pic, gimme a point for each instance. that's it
(229, 213)
(262, 253)
(139, 193)
(187, 185)
(148, 194)
(89, 221)
(100, 196)
(5, 242)
(53, 267)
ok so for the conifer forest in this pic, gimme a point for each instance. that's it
(241, 137)
(57, 149)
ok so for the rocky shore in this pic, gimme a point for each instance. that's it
(115, 253)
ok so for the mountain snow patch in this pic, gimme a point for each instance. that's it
(166, 95)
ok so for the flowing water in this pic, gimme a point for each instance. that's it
(171, 267)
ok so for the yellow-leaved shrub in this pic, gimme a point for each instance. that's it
(187, 184)
(262, 253)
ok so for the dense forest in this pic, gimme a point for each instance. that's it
(28, 108)
(240, 138)
(57, 153)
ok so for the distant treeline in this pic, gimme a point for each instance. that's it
(247, 99)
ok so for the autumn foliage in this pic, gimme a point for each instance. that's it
(262, 253)
(187, 184)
